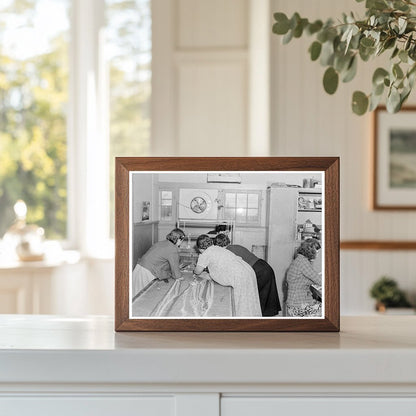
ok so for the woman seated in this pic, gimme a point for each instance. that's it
(161, 261)
(300, 276)
(227, 269)
(266, 281)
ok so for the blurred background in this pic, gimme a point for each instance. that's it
(83, 81)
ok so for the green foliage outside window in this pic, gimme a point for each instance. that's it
(34, 103)
(33, 99)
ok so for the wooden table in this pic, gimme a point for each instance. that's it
(191, 297)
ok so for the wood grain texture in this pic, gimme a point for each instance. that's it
(376, 205)
(329, 165)
(378, 245)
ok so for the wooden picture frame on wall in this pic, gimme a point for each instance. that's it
(147, 299)
(394, 159)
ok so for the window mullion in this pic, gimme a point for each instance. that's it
(88, 140)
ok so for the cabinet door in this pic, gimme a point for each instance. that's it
(88, 406)
(271, 406)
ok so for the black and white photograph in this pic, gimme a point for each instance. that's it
(226, 244)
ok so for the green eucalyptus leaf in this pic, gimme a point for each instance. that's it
(330, 80)
(400, 5)
(355, 41)
(404, 96)
(387, 82)
(298, 30)
(281, 26)
(327, 54)
(379, 75)
(412, 70)
(376, 4)
(359, 103)
(389, 43)
(395, 52)
(411, 78)
(323, 35)
(378, 89)
(315, 50)
(403, 56)
(397, 71)
(351, 71)
(341, 61)
(399, 85)
(314, 27)
(366, 53)
(393, 101)
(294, 20)
(367, 42)
(288, 37)
(374, 102)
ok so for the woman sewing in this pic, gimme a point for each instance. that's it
(300, 276)
(161, 262)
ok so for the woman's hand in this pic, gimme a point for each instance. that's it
(198, 270)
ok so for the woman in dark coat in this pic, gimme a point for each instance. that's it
(266, 281)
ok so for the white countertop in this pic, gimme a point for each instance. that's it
(53, 349)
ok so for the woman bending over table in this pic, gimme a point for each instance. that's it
(266, 280)
(161, 261)
(227, 269)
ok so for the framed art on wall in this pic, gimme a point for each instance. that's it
(394, 179)
(227, 255)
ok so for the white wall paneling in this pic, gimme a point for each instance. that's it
(210, 87)
(212, 103)
(212, 24)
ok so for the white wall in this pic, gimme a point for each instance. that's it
(307, 121)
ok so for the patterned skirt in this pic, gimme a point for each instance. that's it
(310, 309)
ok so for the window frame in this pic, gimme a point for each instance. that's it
(246, 192)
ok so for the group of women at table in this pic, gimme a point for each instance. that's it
(252, 279)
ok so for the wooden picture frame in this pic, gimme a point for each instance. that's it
(267, 168)
(394, 158)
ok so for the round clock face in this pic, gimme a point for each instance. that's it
(198, 205)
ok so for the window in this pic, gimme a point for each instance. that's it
(166, 206)
(75, 87)
(242, 207)
(128, 47)
(33, 112)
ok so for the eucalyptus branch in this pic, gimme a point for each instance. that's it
(388, 26)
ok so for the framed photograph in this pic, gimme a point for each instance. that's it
(394, 159)
(257, 254)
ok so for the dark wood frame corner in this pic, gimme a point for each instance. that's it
(375, 205)
(329, 165)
